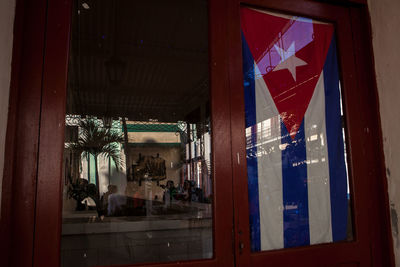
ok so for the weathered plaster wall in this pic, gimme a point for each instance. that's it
(385, 20)
(7, 10)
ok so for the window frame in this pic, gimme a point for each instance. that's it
(361, 129)
(31, 225)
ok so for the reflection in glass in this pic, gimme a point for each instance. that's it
(137, 158)
(296, 160)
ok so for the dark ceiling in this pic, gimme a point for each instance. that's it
(138, 59)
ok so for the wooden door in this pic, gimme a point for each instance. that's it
(369, 241)
(48, 190)
(32, 202)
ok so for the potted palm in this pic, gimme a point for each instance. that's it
(98, 141)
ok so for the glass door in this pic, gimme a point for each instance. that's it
(144, 176)
(138, 177)
(200, 133)
(298, 177)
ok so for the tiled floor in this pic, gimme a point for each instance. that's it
(124, 240)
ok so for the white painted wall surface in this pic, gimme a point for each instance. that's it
(385, 20)
(7, 11)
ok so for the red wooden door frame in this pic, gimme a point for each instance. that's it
(48, 197)
(372, 237)
(30, 226)
(22, 137)
(31, 207)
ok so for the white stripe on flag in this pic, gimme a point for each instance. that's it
(319, 205)
(269, 168)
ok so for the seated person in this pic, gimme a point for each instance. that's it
(112, 189)
(187, 191)
(113, 202)
(116, 204)
(170, 192)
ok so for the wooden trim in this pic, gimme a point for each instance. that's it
(344, 2)
(52, 124)
(221, 138)
(364, 168)
(48, 203)
(29, 240)
(20, 169)
(318, 255)
(238, 156)
(316, 10)
(382, 241)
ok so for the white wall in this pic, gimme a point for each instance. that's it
(7, 10)
(385, 20)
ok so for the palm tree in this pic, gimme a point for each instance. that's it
(98, 141)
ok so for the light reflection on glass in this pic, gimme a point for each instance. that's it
(296, 159)
(137, 157)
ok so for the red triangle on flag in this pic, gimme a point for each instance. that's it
(290, 53)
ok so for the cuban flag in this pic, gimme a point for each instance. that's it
(297, 177)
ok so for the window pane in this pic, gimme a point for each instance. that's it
(296, 159)
(137, 158)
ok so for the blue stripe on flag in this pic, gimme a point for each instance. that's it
(294, 184)
(337, 168)
(251, 149)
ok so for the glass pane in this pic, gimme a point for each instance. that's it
(137, 161)
(296, 157)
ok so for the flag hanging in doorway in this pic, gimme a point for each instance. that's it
(297, 178)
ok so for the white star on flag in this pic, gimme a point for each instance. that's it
(289, 60)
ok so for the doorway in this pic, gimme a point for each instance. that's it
(146, 142)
